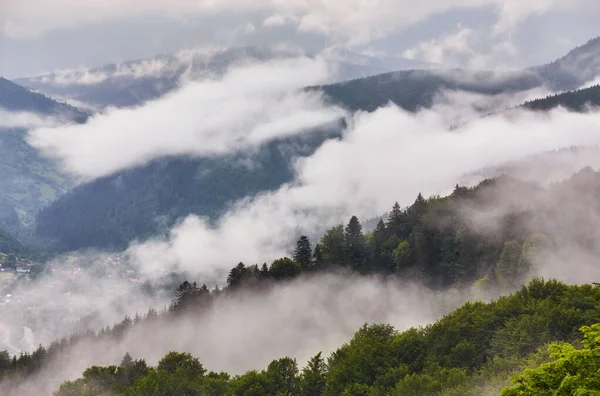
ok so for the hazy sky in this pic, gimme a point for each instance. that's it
(38, 36)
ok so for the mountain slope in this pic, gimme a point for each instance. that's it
(139, 208)
(579, 66)
(16, 98)
(28, 181)
(134, 82)
(414, 89)
(579, 100)
(137, 203)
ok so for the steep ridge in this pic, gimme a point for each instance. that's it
(28, 180)
(16, 98)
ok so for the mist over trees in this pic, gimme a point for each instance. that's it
(439, 242)
(497, 244)
(474, 350)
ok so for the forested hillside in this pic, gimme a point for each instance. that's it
(488, 240)
(472, 351)
(415, 89)
(112, 211)
(29, 180)
(14, 97)
(140, 202)
(579, 100)
(489, 233)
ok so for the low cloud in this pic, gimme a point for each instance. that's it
(11, 119)
(385, 156)
(465, 47)
(243, 109)
(247, 331)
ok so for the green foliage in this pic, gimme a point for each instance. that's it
(508, 270)
(303, 253)
(355, 247)
(535, 249)
(314, 377)
(578, 100)
(285, 268)
(571, 372)
(190, 296)
(282, 376)
(368, 355)
(332, 245)
(472, 351)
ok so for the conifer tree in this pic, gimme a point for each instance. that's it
(318, 261)
(314, 377)
(303, 252)
(354, 243)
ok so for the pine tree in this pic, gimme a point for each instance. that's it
(318, 261)
(126, 361)
(303, 252)
(264, 271)
(417, 210)
(380, 259)
(354, 243)
(314, 377)
(234, 279)
(332, 246)
(397, 223)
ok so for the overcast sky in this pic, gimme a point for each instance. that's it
(38, 36)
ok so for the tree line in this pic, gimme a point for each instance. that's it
(474, 350)
(433, 241)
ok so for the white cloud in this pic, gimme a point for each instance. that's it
(437, 50)
(9, 119)
(276, 20)
(248, 106)
(385, 156)
(466, 47)
(357, 20)
(247, 331)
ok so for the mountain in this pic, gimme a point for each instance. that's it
(28, 180)
(16, 98)
(134, 82)
(579, 100)
(135, 204)
(415, 89)
(360, 82)
(581, 65)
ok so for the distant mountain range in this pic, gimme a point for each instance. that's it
(134, 82)
(414, 89)
(137, 203)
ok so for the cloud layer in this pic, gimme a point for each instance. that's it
(245, 108)
(11, 119)
(386, 156)
(356, 20)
